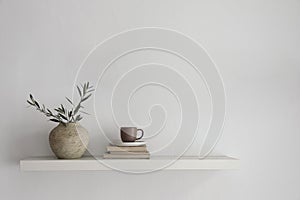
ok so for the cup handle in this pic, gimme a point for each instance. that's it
(141, 135)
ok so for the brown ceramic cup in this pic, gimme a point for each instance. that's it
(129, 134)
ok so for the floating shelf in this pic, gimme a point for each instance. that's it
(92, 164)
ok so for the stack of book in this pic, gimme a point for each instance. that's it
(126, 152)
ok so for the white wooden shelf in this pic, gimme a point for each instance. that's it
(92, 164)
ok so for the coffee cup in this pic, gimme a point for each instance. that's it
(129, 134)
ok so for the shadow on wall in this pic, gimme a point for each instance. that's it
(26, 139)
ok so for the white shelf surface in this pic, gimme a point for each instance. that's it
(92, 164)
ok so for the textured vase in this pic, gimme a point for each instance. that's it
(69, 141)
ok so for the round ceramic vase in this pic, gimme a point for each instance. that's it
(69, 141)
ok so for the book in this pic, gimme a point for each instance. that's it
(129, 156)
(112, 148)
(129, 152)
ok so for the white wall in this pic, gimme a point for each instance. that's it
(256, 45)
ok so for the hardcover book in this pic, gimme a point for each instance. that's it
(124, 156)
(111, 148)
